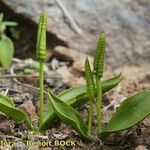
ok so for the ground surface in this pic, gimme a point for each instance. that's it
(26, 96)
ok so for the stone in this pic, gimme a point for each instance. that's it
(135, 78)
(79, 64)
(65, 53)
(20, 145)
(78, 58)
(68, 77)
(19, 99)
(141, 147)
(125, 23)
(146, 122)
(107, 116)
(56, 83)
(29, 108)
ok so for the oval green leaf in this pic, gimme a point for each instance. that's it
(8, 108)
(76, 97)
(6, 51)
(133, 110)
(68, 115)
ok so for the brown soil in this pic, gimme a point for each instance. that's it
(25, 94)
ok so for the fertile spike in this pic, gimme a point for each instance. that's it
(89, 80)
(99, 56)
(41, 38)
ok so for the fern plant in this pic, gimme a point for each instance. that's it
(133, 110)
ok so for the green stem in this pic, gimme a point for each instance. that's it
(41, 91)
(90, 117)
(99, 104)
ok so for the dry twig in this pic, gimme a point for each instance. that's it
(70, 18)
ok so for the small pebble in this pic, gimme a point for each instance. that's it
(29, 108)
(141, 147)
(20, 146)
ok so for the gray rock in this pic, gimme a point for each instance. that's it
(29, 109)
(19, 99)
(126, 24)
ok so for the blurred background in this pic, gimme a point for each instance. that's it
(76, 24)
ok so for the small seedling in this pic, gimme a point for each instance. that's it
(133, 110)
(6, 44)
